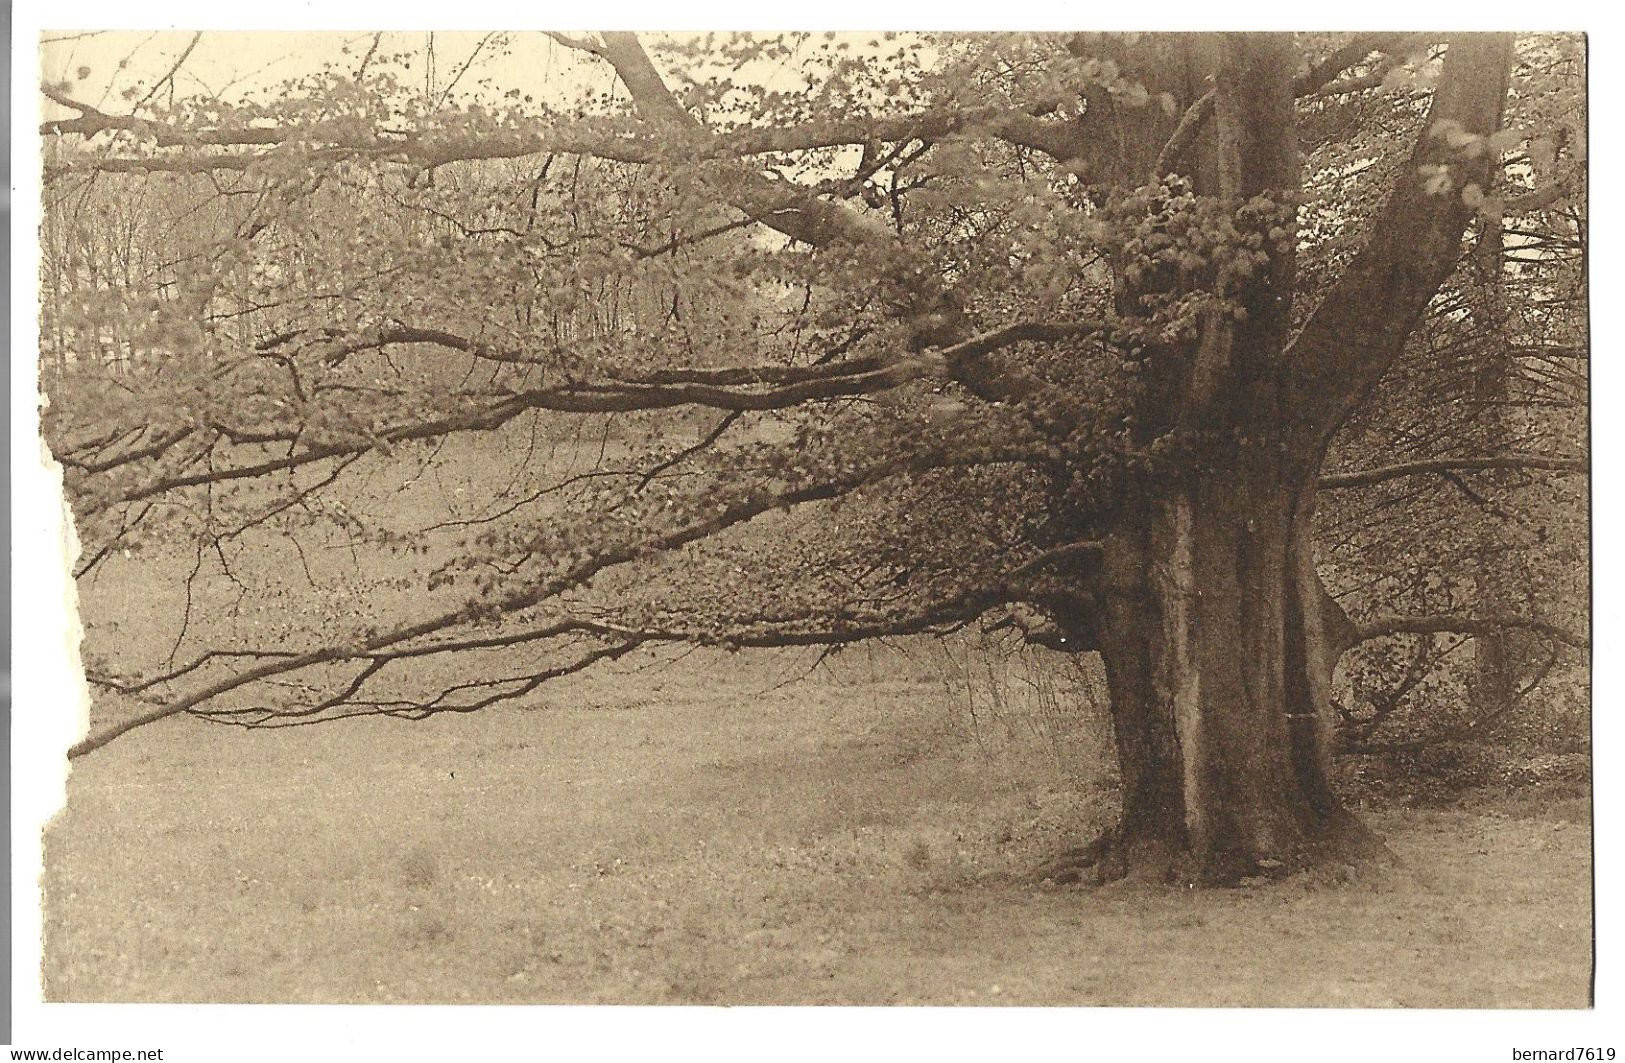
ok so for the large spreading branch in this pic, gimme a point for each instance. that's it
(1441, 466)
(573, 576)
(1360, 327)
(739, 389)
(914, 290)
(632, 143)
(609, 641)
(1450, 623)
(1319, 79)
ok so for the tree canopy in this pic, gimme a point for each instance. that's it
(1219, 355)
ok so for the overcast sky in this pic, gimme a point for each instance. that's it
(103, 65)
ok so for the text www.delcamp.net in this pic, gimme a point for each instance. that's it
(87, 1054)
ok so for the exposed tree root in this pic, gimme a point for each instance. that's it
(1109, 858)
(1344, 841)
(1078, 866)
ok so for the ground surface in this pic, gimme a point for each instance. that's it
(690, 835)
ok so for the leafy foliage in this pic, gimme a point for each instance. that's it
(813, 339)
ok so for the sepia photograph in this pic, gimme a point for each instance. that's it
(1076, 519)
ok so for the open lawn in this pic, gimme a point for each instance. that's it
(702, 832)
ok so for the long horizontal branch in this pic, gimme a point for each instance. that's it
(1435, 466)
(737, 632)
(1450, 623)
(475, 611)
(345, 705)
(1019, 124)
(161, 443)
(721, 389)
(727, 376)
(617, 641)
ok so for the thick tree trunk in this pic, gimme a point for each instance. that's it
(1219, 666)
(1212, 623)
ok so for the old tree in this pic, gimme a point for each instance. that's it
(870, 337)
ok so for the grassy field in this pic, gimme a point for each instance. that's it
(702, 832)
(719, 829)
